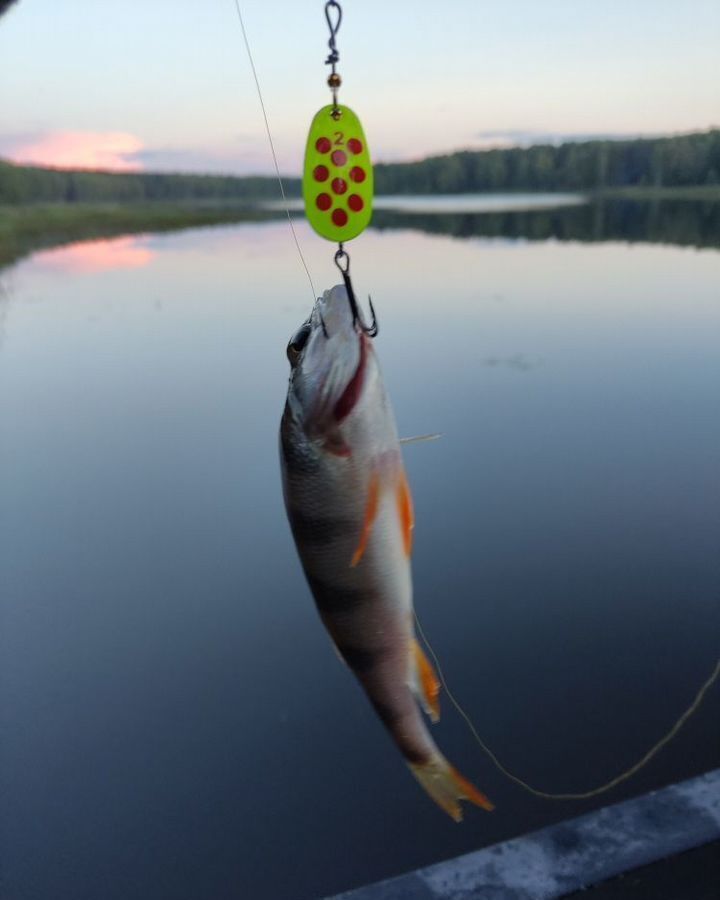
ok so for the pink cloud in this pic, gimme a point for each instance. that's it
(96, 256)
(116, 150)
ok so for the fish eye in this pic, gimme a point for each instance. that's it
(298, 341)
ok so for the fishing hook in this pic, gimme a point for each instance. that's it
(342, 261)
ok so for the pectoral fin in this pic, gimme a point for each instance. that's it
(428, 684)
(405, 511)
(371, 509)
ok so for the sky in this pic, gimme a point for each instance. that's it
(166, 86)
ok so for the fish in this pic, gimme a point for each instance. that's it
(351, 515)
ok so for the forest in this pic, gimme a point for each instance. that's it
(691, 159)
(598, 165)
(33, 184)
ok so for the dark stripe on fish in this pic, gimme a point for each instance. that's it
(360, 659)
(319, 529)
(332, 599)
(394, 719)
(389, 715)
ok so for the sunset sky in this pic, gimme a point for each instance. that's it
(167, 85)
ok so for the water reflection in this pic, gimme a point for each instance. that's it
(129, 252)
(458, 203)
(541, 217)
(683, 222)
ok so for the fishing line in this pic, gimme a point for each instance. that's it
(603, 788)
(272, 148)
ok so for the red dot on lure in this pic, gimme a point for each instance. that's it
(339, 157)
(320, 173)
(357, 174)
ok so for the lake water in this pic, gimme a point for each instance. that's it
(457, 203)
(174, 721)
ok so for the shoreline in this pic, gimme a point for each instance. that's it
(25, 228)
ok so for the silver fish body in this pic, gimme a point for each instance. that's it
(350, 511)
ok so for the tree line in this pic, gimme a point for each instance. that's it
(690, 159)
(34, 184)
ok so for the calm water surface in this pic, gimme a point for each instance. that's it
(174, 721)
(459, 203)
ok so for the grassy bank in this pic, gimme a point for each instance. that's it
(31, 227)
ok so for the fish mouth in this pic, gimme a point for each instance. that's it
(326, 418)
(338, 392)
(329, 365)
(333, 312)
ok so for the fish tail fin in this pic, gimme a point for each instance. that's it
(448, 787)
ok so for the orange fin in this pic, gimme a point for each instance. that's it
(428, 683)
(448, 787)
(468, 791)
(405, 511)
(371, 509)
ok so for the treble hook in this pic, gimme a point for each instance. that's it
(334, 28)
(342, 261)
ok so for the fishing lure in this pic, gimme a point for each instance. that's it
(337, 174)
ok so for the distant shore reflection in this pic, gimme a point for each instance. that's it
(128, 252)
(692, 223)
